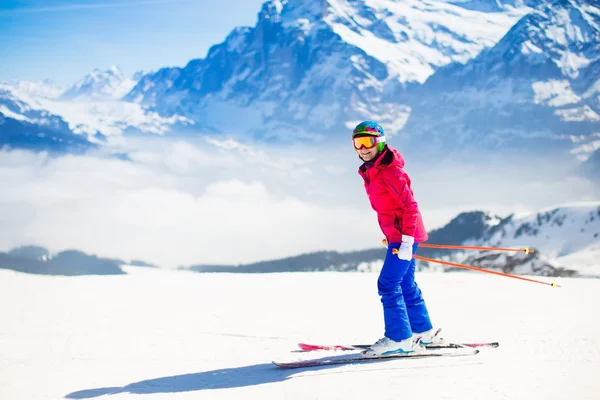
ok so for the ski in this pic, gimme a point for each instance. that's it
(340, 347)
(357, 358)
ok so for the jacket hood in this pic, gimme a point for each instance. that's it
(397, 158)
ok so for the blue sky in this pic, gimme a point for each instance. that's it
(63, 40)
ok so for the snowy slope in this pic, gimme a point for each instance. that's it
(557, 231)
(313, 65)
(26, 124)
(537, 87)
(174, 335)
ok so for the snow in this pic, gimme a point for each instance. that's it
(108, 84)
(111, 117)
(325, 51)
(434, 33)
(409, 68)
(585, 150)
(10, 114)
(566, 32)
(555, 93)
(493, 221)
(593, 90)
(107, 116)
(236, 40)
(584, 261)
(546, 64)
(577, 244)
(570, 63)
(181, 335)
(579, 114)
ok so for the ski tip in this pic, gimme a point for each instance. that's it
(476, 345)
(308, 347)
(489, 344)
(280, 364)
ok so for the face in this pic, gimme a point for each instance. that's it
(367, 154)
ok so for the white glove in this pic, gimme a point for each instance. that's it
(405, 252)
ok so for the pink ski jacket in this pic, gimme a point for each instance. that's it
(388, 188)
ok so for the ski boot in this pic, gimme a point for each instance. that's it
(386, 347)
(430, 338)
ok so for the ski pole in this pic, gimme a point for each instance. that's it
(483, 270)
(526, 250)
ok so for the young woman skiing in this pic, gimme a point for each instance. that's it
(407, 323)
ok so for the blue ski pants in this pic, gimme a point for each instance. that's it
(404, 310)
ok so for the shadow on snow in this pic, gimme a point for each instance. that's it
(225, 378)
(218, 379)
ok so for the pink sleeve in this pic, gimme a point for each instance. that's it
(399, 188)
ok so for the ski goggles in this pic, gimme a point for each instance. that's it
(367, 142)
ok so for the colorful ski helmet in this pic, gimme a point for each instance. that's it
(371, 128)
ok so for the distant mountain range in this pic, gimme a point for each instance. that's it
(38, 260)
(557, 235)
(43, 117)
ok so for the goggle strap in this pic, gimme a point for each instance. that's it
(378, 139)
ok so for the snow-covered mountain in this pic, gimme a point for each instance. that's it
(319, 65)
(31, 109)
(538, 86)
(24, 124)
(566, 233)
(566, 239)
(99, 84)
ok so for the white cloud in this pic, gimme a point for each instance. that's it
(181, 203)
(168, 207)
